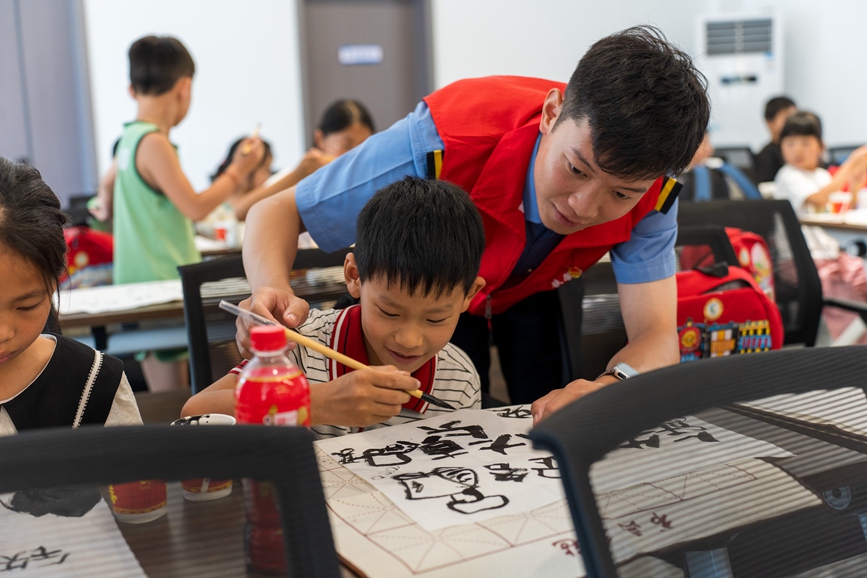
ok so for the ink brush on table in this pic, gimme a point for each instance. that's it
(323, 349)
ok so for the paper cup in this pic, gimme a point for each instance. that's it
(206, 489)
(138, 502)
(839, 202)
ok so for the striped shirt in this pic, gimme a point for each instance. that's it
(455, 381)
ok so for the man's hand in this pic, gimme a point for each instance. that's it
(557, 399)
(361, 398)
(281, 306)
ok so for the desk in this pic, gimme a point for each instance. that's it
(160, 325)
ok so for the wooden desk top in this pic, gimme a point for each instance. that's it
(844, 222)
(322, 285)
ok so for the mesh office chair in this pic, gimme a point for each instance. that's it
(593, 326)
(210, 330)
(740, 156)
(98, 456)
(797, 286)
(790, 529)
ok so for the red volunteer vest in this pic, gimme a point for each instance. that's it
(489, 127)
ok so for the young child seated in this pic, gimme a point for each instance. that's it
(414, 269)
(45, 380)
(802, 180)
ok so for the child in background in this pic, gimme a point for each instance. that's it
(414, 269)
(45, 380)
(344, 125)
(802, 180)
(154, 203)
(770, 160)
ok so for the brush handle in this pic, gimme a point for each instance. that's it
(338, 357)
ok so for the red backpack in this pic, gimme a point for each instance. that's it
(89, 257)
(721, 310)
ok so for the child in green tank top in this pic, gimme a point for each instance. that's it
(153, 203)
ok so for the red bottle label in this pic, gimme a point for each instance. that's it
(273, 396)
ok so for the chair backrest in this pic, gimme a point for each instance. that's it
(211, 333)
(739, 156)
(582, 433)
(590, 305)
(838, 154)
(798, 289)
(210, 330)
(100, 456)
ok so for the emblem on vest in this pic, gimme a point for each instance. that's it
(572, 272)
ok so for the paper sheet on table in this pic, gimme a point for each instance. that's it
(56, 546)
(119, 297)
(844, 408)
(680, 445)
(457, 468)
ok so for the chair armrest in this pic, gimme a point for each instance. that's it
(845, 304)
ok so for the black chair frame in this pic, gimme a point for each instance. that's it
(112, 455)
(584, 431)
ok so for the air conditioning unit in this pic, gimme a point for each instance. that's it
(742, 57)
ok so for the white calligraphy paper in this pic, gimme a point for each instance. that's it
(677, 446)
(50, 545)
(462, 467)
(119, 297)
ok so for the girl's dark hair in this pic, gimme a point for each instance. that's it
(228, 160)
(420, 234)
(802, 124)
(644, 100)
(31, 222)
(342, 114)
(156, 63)
(776, 105)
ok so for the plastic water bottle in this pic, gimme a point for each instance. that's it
(271, 391)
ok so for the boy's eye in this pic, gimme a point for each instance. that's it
(575, 170)
(621, 196)
(437, 320)
(387, 314)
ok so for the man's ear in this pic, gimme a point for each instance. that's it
(131, 91)
(551, 110)
(477, 286)
(352, 277)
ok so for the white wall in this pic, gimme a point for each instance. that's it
(247, 71)
(824, 44)
(543, 38)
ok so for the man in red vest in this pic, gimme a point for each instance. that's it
(561, 174)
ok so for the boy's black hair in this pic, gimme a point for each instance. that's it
(776, 105)
(802, 124)
(644, 100)
(341, 114)
(31, 221)
(234, 146)
(156, 63)
(421, 234)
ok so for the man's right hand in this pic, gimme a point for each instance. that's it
(361, 398)
(279, 305)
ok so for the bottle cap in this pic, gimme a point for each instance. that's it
(268, 338)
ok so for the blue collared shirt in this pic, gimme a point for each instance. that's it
(330, 199)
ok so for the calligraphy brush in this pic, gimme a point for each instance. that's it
(246, 149)
(323, 349)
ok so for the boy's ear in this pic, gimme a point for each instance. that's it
(352, 277)
(317, 138)
(551, 110)
(477, 286)
(131, 91)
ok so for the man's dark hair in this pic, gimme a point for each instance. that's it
(421, 234)
(156, 63)
(644, 100)
(777, 105)
(802, 124)
(31, 221)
